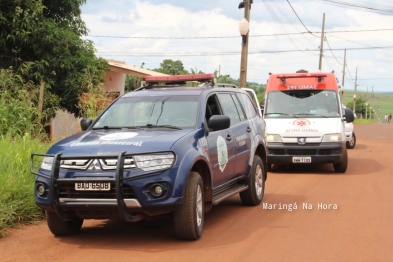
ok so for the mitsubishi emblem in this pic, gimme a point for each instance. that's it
(94, 165)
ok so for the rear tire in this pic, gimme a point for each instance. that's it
(256, 184)
(189, 217)
(342, 166)
(59, 227)
(351, 144)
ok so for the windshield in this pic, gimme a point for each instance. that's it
(313, 103)
(175, 111)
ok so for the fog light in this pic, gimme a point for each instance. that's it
(158, 189)
(40, 189)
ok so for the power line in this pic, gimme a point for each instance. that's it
(300, 19)
(212, 37)
(389, 9)
(237, 53)
(331, 50)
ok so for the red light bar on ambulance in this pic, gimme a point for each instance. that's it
(302, 75)
(180, 78)
(319, 76)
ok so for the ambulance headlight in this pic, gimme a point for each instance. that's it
(332, 138)
(270, 138)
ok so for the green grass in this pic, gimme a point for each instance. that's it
(364, 121)
(17, 204)
(381, 103)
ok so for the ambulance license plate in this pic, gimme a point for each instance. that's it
(93, 186)
(301, 159)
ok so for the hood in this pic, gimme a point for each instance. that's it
(108, 142)
(316, 127)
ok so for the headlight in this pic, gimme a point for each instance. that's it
(154, 162)
(273, 138)
(332, 138)
(47, 163)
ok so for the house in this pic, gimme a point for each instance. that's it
(65, 124)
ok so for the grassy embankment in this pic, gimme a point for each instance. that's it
(17, 204)
(381, 104)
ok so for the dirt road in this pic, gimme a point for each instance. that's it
(357, 227)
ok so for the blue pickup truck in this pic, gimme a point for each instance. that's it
(166, 148)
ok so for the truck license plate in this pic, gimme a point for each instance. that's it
(93, 186)
(301, 159)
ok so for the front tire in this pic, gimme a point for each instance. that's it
(59, 227)
(256, 184)
(351, 144)
(189, 217)
(342, 166)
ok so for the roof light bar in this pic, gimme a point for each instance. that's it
(181, 78)
(302, 75)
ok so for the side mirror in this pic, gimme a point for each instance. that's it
(219, 122)
(85, 123)
(349, 116)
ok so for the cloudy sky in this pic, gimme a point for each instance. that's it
(285, 36)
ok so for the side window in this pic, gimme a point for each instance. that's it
(212, 107)
(229, 107)
(248, 106)
(239, 108)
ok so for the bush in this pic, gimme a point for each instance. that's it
(17, 205)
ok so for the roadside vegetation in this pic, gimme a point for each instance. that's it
(17, 206)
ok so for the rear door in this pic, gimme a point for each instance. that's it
(240, 128)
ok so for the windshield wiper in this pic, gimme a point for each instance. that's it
(106, 127)
(308, 114)
(166, 126)
(284, 114)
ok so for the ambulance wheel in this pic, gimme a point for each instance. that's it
(342, 166)
(351, 144)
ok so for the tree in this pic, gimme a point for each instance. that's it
(196, 71)
(170, 67)
(48, 35)
(133, 82)
(360, 106)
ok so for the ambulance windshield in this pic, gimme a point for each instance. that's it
(302, 103)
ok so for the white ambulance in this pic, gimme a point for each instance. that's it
(305, 122)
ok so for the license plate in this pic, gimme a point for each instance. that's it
(93, 186)
(301, 159)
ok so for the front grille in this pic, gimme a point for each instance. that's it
(277, 151)
(304, 152)
(297, 152)
(105, 163)
(67, 190)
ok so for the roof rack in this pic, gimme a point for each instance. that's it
(176, 80)
(225, 85)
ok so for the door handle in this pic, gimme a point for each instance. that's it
(248, 129)
(229, 137)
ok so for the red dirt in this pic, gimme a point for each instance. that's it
(358, 230)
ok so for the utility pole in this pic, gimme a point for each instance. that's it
(342, 82)
(356, 79)
(321, 46)
(246, 4)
